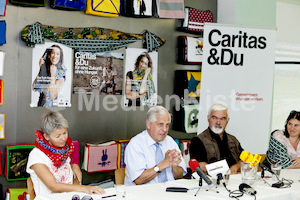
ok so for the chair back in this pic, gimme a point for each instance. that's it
(30, 188)
(119, 176)
(263, 157)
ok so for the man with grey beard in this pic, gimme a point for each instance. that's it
(214, 143)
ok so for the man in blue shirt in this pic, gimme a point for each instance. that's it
(140, 153)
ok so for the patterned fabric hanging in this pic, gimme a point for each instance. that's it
(89, 39)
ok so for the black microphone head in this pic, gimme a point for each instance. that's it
(219, 178)
(243, 185)
(247, 189)
(264, 167)
(213, 159)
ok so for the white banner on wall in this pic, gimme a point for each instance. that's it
(237, 70)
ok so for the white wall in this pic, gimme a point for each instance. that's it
(287, 21)
(286, 95)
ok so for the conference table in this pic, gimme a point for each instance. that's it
(158, 191)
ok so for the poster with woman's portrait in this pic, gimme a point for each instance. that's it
(52, 69)
(140, 77)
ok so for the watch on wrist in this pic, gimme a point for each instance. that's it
(156, 169)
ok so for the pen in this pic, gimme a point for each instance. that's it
(113, 195)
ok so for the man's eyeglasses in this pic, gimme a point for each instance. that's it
(77, 197)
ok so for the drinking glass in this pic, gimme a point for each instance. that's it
(120, 191)
(276, 168)
(248, 173)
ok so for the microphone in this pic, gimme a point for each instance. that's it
(264, 167)
(248, 157)
(213, 159)
(219, 175)
(245, 188)
(194, 165)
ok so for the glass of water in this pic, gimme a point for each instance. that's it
(276, 168)
(248, 173)
(226, 176)
(120, 191)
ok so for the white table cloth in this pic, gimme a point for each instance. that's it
(158, 191)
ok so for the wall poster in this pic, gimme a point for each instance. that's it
(52, 69)
(98, 73)
(140, 77)
(237, 70)
(16, 161)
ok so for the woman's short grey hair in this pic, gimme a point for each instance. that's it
(52, 121)
(153, 111)
(218, 107)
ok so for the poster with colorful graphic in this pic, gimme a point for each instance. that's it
(194, 83)
(191, 118)
(194, 49)
(52, 69)
(16, 161)
(98, 73)
(141, 77)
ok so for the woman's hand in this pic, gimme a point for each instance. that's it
(143, 88)
(296, 162)
(77, 173)
(148, 71)
(93, 189)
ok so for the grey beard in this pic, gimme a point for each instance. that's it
(217, 130)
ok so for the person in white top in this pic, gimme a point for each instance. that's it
(49, 162)
(290, 138)
(140, 153)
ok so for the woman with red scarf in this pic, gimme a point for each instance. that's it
(49, 163)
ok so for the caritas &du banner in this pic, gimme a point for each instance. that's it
(237, 70)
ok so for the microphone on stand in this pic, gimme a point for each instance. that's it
(218, 169)
(263, 169)
(194, 165)
(219, 175)
(255, 160)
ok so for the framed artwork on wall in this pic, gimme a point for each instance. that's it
(16, 161)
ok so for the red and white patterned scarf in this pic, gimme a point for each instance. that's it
(56, 154)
